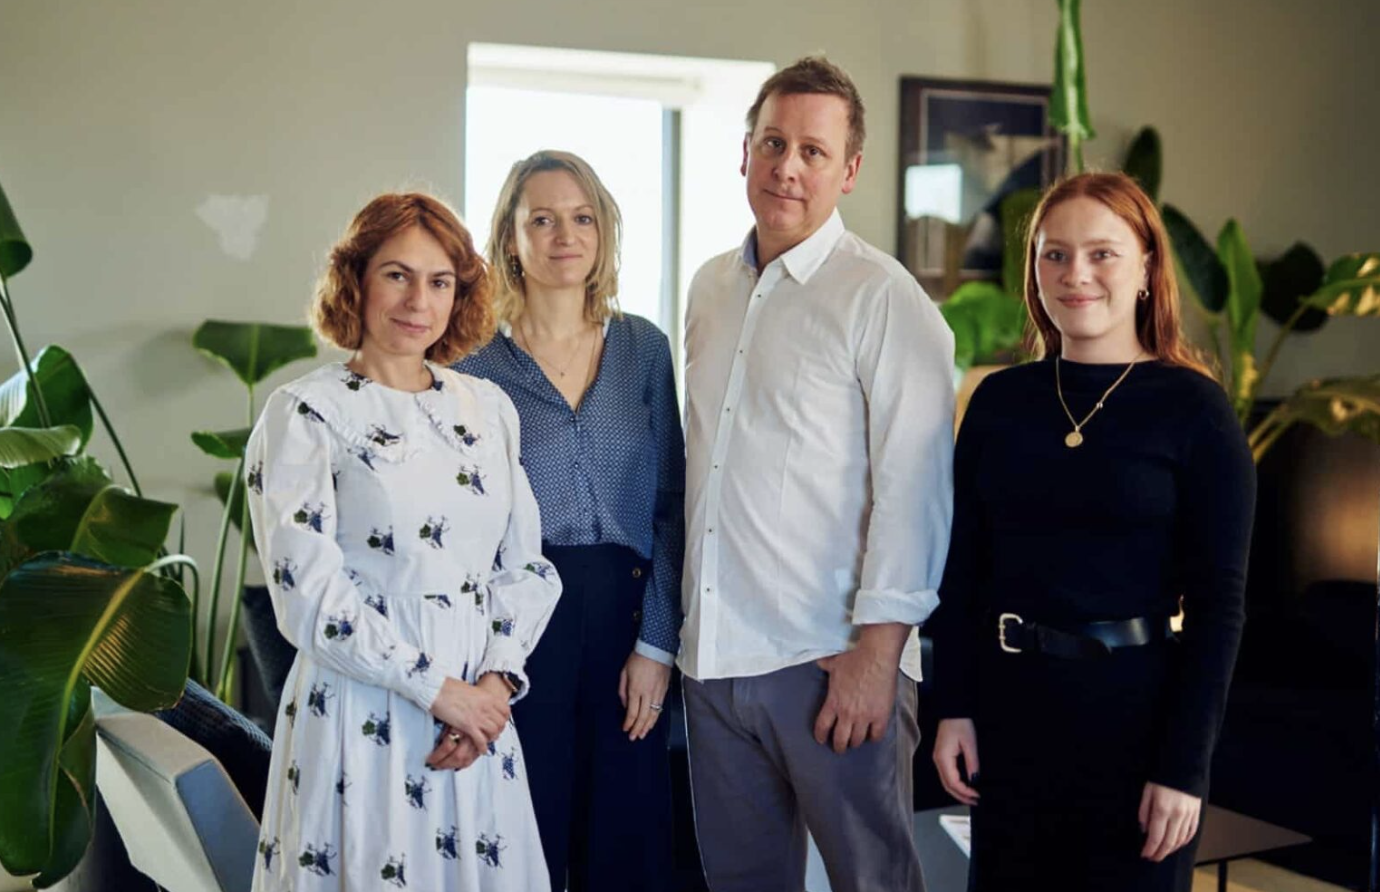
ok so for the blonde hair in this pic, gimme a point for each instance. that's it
(601, 286)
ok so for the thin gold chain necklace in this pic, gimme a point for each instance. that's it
(561, 369)
(1074, 438)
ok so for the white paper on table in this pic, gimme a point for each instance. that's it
(960, 830)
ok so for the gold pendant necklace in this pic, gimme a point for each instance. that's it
(1074, 438)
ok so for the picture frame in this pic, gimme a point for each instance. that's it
(963, 146)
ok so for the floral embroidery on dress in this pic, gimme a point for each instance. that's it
(317, 697)
(445, 843)
(416, 788)
(439, 600)
(393, 871)
(269, 850)
(318, 860)
(470, 478)
(339, 627)
(432, 531)
(376, 729)
(381, 540)
(381, 436)
(487, 849)
(255, 478)
(354, 380)
(309, 517)
(282, 574)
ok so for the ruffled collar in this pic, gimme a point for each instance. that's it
(325, 396)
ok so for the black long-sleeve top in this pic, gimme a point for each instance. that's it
(1157, 503)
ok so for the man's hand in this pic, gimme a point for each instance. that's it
(862, 687)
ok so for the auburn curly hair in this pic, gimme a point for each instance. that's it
(337, 312)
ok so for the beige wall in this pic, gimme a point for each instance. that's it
(118, 119)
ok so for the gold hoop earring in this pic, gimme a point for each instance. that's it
(1143, 294)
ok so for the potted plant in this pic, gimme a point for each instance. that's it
(252, 351)
(88, 596)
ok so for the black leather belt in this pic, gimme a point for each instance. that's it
(1078, 641)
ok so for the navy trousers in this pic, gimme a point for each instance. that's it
(603, 803)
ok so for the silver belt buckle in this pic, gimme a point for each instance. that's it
(1001, 631)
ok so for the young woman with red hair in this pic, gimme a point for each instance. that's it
(1095, 491)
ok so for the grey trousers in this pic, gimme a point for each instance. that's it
(759, 780)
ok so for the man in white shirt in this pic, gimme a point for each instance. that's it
(819, 433)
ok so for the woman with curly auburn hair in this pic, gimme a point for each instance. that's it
(1095, 491)
(402, 546)
(602, 442)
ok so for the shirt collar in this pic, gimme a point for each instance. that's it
(804, 259)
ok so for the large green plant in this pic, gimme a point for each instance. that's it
(252, 351)
(87, 596)
(1299, 293)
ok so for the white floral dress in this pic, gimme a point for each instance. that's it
(402, 545)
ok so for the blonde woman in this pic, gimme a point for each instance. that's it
(602, 444)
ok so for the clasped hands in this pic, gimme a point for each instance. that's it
(474, 716)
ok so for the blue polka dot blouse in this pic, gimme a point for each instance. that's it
(612, 471)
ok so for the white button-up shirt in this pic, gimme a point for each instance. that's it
(819, 439)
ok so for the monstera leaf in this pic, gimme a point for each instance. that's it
(253, 350)
(1017, 209)
(65, 392)
(1287, 280)
(67, 622)
(1352, 287)
(15, 252)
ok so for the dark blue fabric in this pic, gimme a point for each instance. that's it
(602, 802)
(240, 747)
(614, 470)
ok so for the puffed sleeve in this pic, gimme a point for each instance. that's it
(292, 503)
(524, 586)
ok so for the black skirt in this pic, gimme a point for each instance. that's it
(1065, 747)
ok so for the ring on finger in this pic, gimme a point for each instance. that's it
(654, 707)
(453, 737)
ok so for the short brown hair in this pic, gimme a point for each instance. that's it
(815, 74)
(337, 311)
(601, 286)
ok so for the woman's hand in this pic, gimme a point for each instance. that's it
(477, 712)
(957, 737)
(453, 751)
(1169, 819)
(642, 688)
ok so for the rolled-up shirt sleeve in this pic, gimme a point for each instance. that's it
(905, 368)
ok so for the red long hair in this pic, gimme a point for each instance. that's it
(1157, 317)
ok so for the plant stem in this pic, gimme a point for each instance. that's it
(1285, 330)
(228, 653)
(216, 574)
(40, 405)
(114, 438)
(1262, 443)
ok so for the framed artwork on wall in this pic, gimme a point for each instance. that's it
(965, 145)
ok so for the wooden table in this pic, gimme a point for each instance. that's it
(1227, 835)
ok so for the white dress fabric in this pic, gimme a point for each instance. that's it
(401, 543)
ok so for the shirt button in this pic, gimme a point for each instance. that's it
(707, 589)
(710, 530)
(637, 573)
(637, 616)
